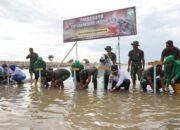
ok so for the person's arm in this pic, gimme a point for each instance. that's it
(121, 78)
(87, 82)
(28, 56)
(129, 63)
(150, 82)
(143, 64)
(149, 74)
(162, 56)
(143, 61)
(115, 59)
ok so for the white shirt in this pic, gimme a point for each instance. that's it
(119, 78)
(17, 71)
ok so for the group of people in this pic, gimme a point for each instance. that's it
(39, 69)
(114, 77)
(11, 73)
(167, 71)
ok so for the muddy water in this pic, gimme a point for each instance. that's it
(24, 107)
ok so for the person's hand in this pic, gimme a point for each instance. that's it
(172, 81)
(113, 89)
(166, 89)
(128, 69)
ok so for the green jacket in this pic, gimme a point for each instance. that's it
(39, 64)
(76, 64)
(172, 72)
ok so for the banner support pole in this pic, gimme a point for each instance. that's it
(76, 50)
(119, 52)
(67, 54)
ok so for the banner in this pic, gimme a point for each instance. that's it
(120, 22)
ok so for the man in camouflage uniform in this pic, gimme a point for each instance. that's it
(136, 61)
(33, 57)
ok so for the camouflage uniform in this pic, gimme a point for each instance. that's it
(136, 66)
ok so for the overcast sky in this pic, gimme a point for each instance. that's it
(39, 24)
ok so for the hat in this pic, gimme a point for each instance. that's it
(135, 43)
(114, 68)
(108, 48)
(12, 67)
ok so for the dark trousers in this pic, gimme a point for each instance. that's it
(95, 83)
(125, 84)
(145, 83)
(106, 79)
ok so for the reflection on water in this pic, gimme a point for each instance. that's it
(24, 107)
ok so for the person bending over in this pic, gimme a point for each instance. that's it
(58, 77)
(117, 79)
(17, 74)
(172, 71)
(148, 78)
(85, 77)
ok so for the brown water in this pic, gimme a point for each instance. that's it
(24, 107)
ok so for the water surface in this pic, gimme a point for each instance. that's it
(24, 107)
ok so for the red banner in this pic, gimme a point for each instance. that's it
(120, 22)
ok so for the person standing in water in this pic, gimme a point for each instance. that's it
(33, 57)
(136, 61)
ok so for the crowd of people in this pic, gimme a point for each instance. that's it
(167, 71)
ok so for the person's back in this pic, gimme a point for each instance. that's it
(91, 70)
(172, 70)
(150, 72)
(61, 74)
(17, 74)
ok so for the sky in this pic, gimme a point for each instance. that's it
(39, 24)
